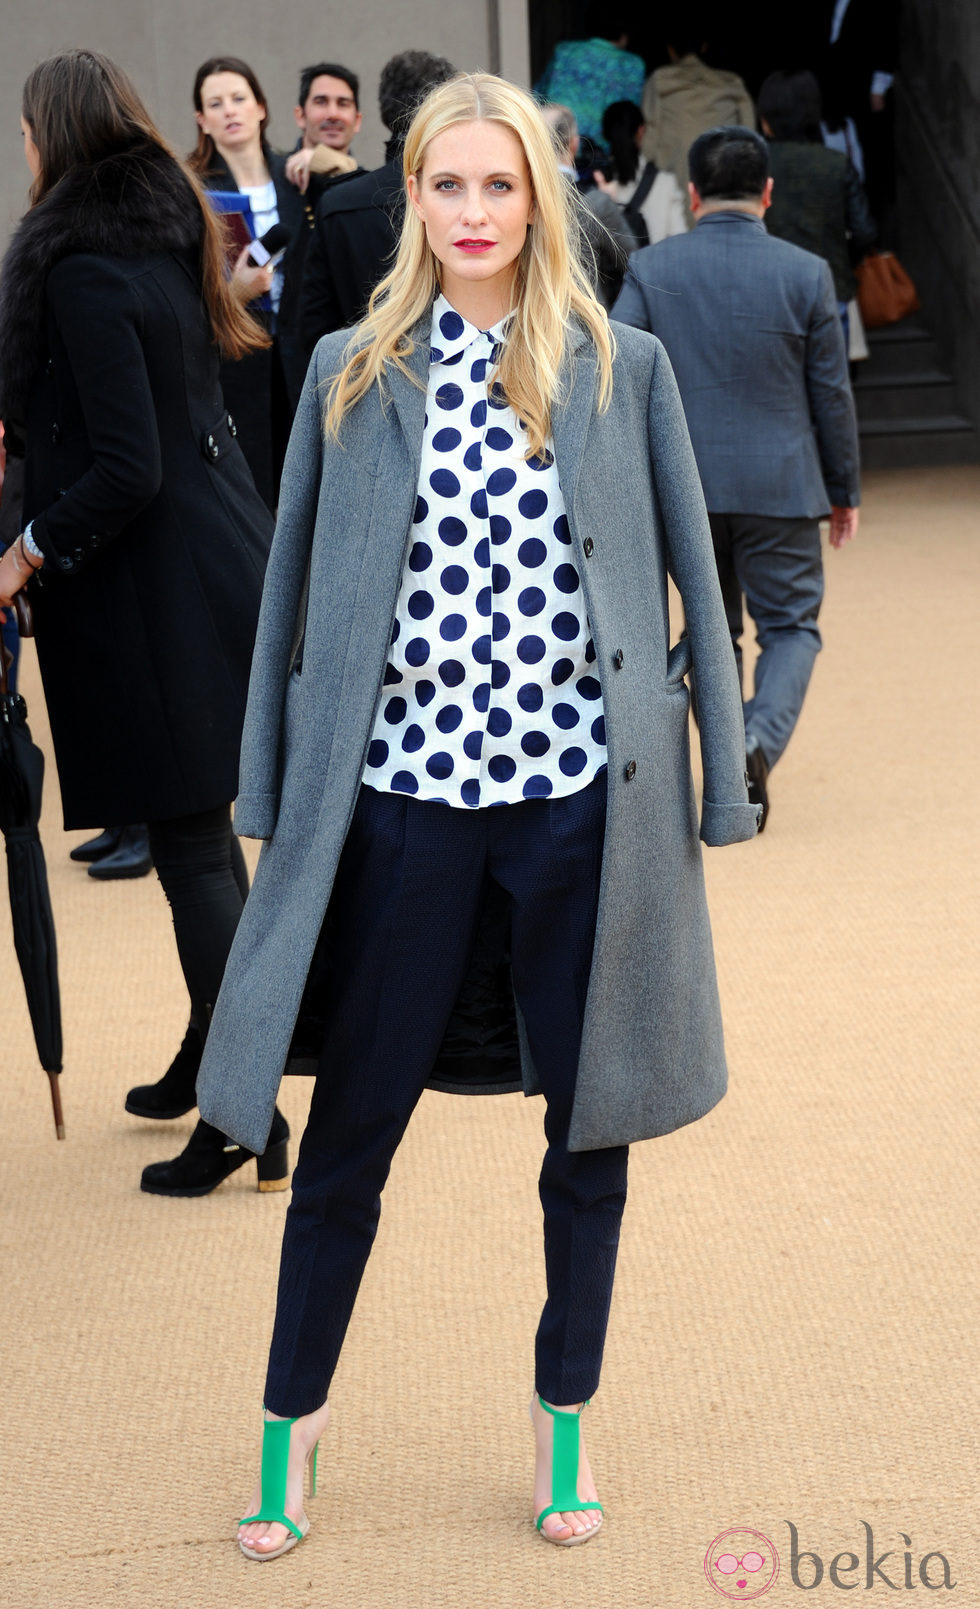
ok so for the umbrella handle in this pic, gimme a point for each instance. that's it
(24, 616)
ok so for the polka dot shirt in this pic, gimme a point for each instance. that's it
(490, 693)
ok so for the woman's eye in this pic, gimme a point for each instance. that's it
(501, 184)
(445, 184)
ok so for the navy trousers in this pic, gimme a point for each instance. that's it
(405, 906)
(777, 565)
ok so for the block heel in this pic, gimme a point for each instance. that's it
(273, 1167)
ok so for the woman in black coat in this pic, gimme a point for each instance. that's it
(144, 541)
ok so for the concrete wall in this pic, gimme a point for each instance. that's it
(161, 46)
(938, 138)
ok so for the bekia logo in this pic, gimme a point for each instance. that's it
(932, 1568)
(742, 1564)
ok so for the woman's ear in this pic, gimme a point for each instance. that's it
(412, 185)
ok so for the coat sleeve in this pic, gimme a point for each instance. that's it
(257, 804)
(831, 400)
(726, 815)
(98, 317)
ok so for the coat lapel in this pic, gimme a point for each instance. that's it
(570, 420)
(408, 394)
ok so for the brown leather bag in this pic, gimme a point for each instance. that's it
(885, 292)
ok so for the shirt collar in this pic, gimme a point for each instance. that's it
(452, 333)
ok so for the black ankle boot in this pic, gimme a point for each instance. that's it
(97, 848)
(174, 1093)
(209, 1157)
(130, 858)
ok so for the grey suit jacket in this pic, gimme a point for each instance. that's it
(754, 338)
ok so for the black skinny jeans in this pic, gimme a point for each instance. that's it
(200, 863)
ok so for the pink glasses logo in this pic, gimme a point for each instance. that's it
(741, 1564)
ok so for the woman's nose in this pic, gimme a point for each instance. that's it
(474, 206)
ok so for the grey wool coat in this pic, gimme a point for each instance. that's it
(652, 1055)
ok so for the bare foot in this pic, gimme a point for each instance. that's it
(264, 1536)
(579, 1522)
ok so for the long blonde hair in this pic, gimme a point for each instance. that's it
(550, 284)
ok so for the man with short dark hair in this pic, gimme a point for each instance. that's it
(751, 328)
(328, 117)
(357, 222)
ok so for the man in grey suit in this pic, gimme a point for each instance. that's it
(751, 327)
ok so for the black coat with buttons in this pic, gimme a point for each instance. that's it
(154, 536)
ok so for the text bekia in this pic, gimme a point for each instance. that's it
(932, 1569)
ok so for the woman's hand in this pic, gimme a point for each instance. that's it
(247, 281)
(15, 572)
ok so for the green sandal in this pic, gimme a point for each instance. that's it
(564, 1476)
(275, 1467)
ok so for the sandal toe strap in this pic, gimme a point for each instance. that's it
(269, 1516)
(575, 1505)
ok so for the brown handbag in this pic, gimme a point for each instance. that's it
(885, 292)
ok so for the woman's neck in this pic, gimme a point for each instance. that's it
(248, 168)
(483, 303)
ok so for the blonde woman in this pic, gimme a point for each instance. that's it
(462, 677)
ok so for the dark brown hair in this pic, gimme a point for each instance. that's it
(202, 155)
(81, 109)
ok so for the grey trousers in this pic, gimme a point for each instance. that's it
(777, 567)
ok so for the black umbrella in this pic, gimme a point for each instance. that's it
(21, 778)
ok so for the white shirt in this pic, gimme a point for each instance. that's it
(265, 213)
(491, 694)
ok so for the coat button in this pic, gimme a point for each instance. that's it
(95, 541)
(78, 555)
(211, 447)
(619, 659)
(66, 563)
(55, 435)
(629, 771)
(588, 547)
(232, 427)
(49, 366)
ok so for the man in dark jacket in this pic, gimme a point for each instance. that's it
(751, 328)
(328, 117)
(357, 221)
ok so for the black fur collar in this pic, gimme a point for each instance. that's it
(133, 204)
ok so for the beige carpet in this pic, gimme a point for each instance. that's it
(793, 1335)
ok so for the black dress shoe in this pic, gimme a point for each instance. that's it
(96, 848)
(130, 858)
(209, 1157)
(757, 774)
(174, 1093)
